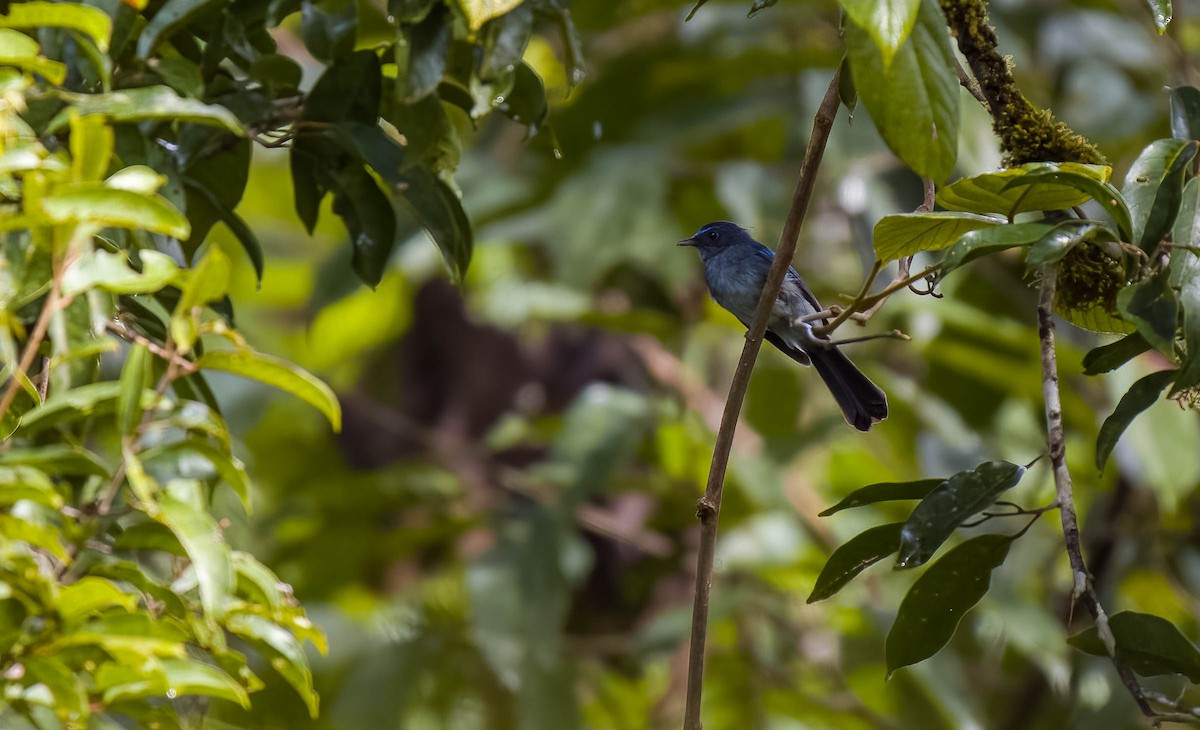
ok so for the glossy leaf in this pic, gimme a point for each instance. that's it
(913, 100)
(1150, 306)
(87, 400)
(230, 468)
(18, 50)
(91, 148)
(56, 459)
(1151, 645)
(101, 205)
(369, 218)
(888, 22)
(91, 595)
(171, 16)
(187, 677)
(279, 374)
(938, 600)
(428, 43)
(1058, 242)
(884, 492)
(281, 648)
(979, 243)
(147, 103)
(1107, 358)
(26, 482)
(1154, 187)
(949, 504)
(91, 21)
(207, 282)
(113, 273)
(1046, 179)
(237, 226)
(201, 538)
(1161, 10)
(1185, 113)
(257, 581)
(859, 553)
(440, 211)
(1140, 396)
(905, 234)
(1029, 187)
(132, 633)
(1185, 278)
(329, 35)
(135, 376)
(478, 12)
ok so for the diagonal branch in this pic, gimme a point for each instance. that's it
(1056, 442)
(708, 509)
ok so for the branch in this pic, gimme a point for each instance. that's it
(1083, 588)
(54, 302)
(708, 509)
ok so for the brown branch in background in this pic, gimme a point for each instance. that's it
(1083, 588)
(54, 302)
(708, 509)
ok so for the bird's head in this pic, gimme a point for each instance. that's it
(713, 237)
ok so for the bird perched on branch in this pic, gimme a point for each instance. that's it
(735, 269)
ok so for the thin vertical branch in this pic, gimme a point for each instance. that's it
(54, 302)
(708, 509)
(1083, 588)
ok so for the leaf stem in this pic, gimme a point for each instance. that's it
(708, 509)
(1056, 444)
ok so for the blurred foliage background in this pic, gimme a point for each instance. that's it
(503, 534)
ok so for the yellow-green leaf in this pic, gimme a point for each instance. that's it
(278, 373)
(96, 203)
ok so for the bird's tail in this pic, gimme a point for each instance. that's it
(862, 402)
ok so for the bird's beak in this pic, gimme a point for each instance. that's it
(687, 242)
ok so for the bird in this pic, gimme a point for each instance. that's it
(735, 269)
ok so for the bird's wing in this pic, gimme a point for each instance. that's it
(792, 277)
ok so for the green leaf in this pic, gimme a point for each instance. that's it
(256, 581)
(91, 595)
(329, 35)
(277, 373)
(56, 459)
(91, 21)
(905, 234)
(977, 244)
(348, 90)
(92, 399)
(1044, 181)
(26, 482)
(20, 51)
(64, 684)
(237, 226)
(526, 101)
(201, 537)
(1007, 192)
(282, 649)
(1058, 242)
(888, 22)
(1154, 187)
(1107, 358)
(913, 100)
(1152, 646)
(860, 553)
(427, 43)
(40, 536)
(1150, 306)
(101, 205)
(147, 103)
(369, 218)
(478, 12)
(884, 492)
(1161, 9)
(948, 505)
(1140, 396)
(207, 282)
(187, 677)
(504, 41)
(939, 599)
(170, 18)
(1185, 113)
(1185, 278)
(130, 634)
(231, 469)
(99, 269)
(135, 376)
(440, 211)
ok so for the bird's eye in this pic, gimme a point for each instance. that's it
(712, 235)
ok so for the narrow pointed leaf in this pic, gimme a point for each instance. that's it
(951, 503)
(277, 373)
(1107, 358)
(1058, 242)
(977, 244)
(104, 206)
(860, 553)
(884, 492)
(1185, 112)
(937, 602)
(201, 538)
(1150, 306)
(1185, 278)
(1140, 396)
(187, 677)
(134, 377)
(147, 103)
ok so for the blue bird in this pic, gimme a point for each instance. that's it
(735, 269)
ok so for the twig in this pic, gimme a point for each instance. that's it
(170, 355)
(708, 509)
(1056, 444)
(893, 335)
(971, 85)
(54, 302)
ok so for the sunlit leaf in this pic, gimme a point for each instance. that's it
(201, 537)
(146, 103)
(479, 12)
(229, 467)
(1154, 188)
(56, 459)
(277, 373)
(135, 377)
(91, 595)
(939, 599)
(1161, 9)
(91, 148)
(977, 244)
(171, 16)
(26, 482)
(913, 100)
(257, 581)
(104, 206)
(113, 273)
(91, 21)
(905, 234)
(1140, 396)
(859, 553)
(281, 648)
(1018, 189)
(884, 492)
(888, 22)
(951, 503)
(187, 677)
(207, 282)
